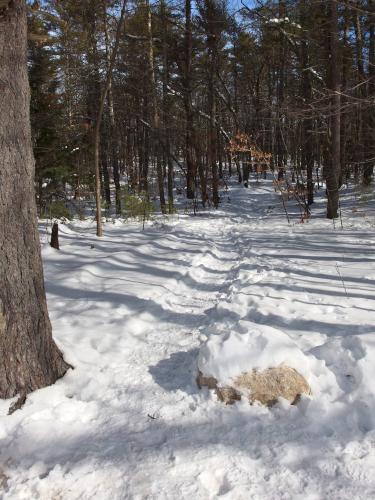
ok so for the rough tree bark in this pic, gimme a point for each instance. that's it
(29, 358)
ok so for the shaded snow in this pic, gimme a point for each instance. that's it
(130, 312)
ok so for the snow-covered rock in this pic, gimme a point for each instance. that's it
(262, 363)
(269, 385)
(265, 387)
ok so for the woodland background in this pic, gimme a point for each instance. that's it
(294, 79)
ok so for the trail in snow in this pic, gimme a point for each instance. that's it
(130, 314)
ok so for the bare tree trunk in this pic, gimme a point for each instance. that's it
(155, 110)
(345, 85)
(360, 139)
(370, 129)
(307, 150)
(212, 45)
(167, 144)
(333, 167)
(112, 129)
(212, 135)
(280, 146)
(99, 226)
(29, 356)
(190, 174)
(143, 144)
(106, 191)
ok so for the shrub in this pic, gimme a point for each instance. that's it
(56, 210)
(138, 206)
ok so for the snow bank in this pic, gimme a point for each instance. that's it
(259, 347)
(352, 361)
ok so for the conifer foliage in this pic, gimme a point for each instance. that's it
(295, 76)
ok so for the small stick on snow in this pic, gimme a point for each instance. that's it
(342, 281)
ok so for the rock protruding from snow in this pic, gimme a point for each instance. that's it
(265, 387)
(227, 395)
(269, 385)
(262, 364)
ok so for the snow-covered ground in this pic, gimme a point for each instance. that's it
(130, 312)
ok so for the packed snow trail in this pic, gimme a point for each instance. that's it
(130, 311)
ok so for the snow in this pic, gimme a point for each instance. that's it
(282, 20)
(255, 347)
(131, 312)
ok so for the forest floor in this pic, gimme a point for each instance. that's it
(130, 311)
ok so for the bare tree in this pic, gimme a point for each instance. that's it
(333, 168)
(103, 97)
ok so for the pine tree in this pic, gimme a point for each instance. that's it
(29, 356)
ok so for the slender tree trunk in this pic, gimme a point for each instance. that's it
(112, 128)
(213, 33)
(359, 152)
(307, 150)
(370, 129)
(212, 136)
(143, 145)
(280, 146)
(167, 144)
(345, 83)
(155, 109)
(99, 225)
(104, 167)
(333, 167)
(189, 130)
(29, 356)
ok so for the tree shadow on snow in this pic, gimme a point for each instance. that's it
(178, 372)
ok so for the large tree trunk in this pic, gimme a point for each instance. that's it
(29, 357)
